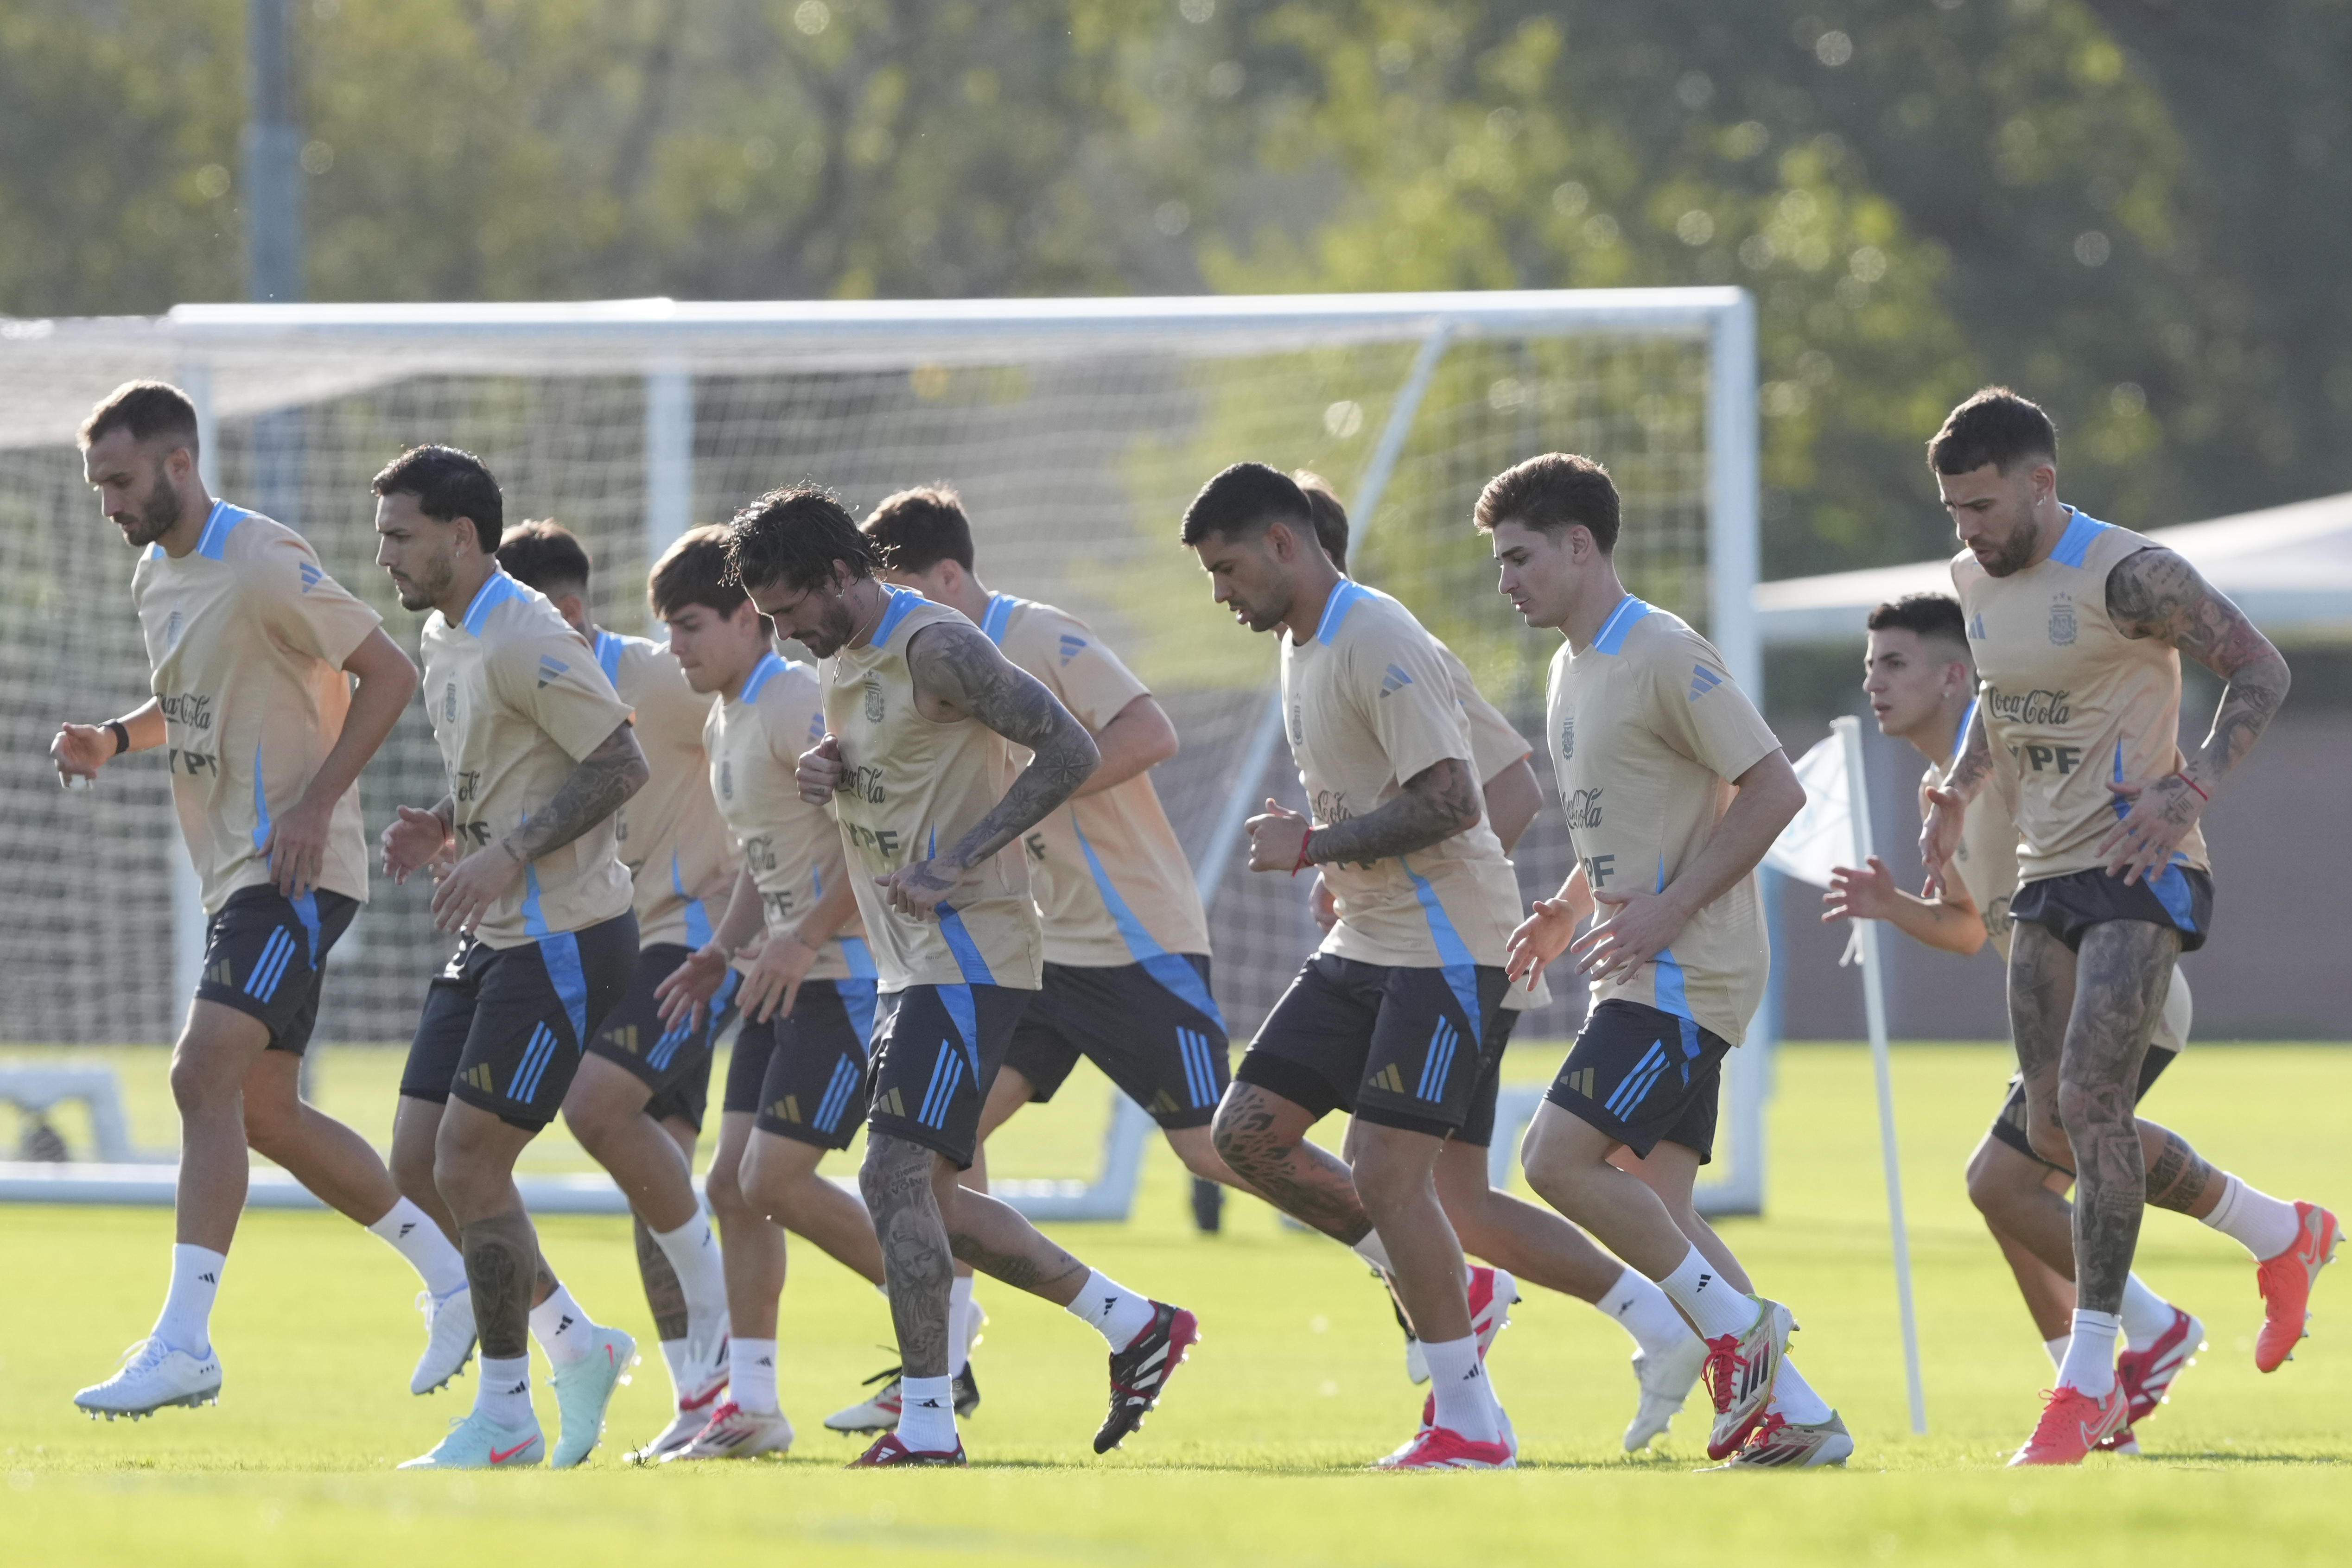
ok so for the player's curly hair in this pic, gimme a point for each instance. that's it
(1552, 494)
(795, 536)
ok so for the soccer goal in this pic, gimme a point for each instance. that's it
(1076, 429)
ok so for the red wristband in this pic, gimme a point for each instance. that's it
(1303, 862)
(2184, 778)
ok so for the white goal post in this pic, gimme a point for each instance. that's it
(1076, 429)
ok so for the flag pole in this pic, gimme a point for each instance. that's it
(1874, 991)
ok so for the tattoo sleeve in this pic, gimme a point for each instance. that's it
(2156, 594)
(595, 790)
(961, 665)
(1975, 763)
(1435, 803)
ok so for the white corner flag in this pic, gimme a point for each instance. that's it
(1834, 830)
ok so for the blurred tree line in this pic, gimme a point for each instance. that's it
(2131, 209)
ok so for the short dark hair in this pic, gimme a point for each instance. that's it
(1331, 517)
(1240, 502)
(1995, 426)
(545, 555)
(145, 409)
(915, 529)
(448, 484)
(694, 570)
(794, 536)
(1936, 616)
(1552, 494)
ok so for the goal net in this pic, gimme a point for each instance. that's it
(1076, 431)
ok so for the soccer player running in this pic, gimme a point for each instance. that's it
(805, 980)
(918, 707)
(1922, 686)
(2078, 628)
(253, 649)
(1390, 1019)
(1673, 788)
(637, 1101)
(1527, 1243)
(538, 753)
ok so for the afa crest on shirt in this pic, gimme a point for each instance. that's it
(726, 778)
(1568, 738)
(449, 702)
(2062, 620)
(873, 700)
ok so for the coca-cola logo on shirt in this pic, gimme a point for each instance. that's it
(2037, 707)
(193, 709)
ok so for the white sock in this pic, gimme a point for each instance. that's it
(409, 1232)
(693, 1253)
(1116, 1312)
(2146, 1314)
(2056, 1351)
(186, 1321)
(563, 1328)
(2090, 1363)
(674, 1353)
(960, 1325)
(1375, 1251)
(1794, 1397)
(2262, 1225)
(927, 1414)
(1711, 1300)
(502, 1392)
(1636, 1305)
(752, 1374)
(1464, 1403)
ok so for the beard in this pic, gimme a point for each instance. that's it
(423, 591)
(2013, 556)
(156, 514)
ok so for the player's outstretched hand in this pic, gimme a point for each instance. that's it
(1538, 939)
(1636, 929)
(1278, 839)
(413, 840)
(776, 976)
(2140, 846)
(684, 995)
(473, 885)
(78, 751)
(1322, 905)
(1939, 836)
(296, 850)
(920, 887)
(1859, 894)
(821, 771)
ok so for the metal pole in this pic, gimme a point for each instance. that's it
(1874, 992)
(272, 155)
(1215, 855)
(669, 461)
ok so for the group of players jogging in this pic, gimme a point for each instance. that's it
(924, 875)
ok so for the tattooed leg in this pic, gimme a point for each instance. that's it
(1262, 1136)
(665, 1297)
(916, 1265)
(2041, 999)
(473, 1167)
(501, 1256)
(993, 1238)
(2179, 1178)
(2120, 980)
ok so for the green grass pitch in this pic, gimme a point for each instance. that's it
(1254, 1457)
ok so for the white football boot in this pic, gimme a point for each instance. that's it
(449, 1339)
(734, 1433)
(1666, 1381)
(153, 1376)
(584, 1390)
(477, 1443)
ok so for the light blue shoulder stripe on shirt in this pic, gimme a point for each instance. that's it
(999, 611)
(1335, 609)
(1172, 970)
(1610, 638)
(762, 673)
(219, 523)
(2075, 542)
(495, 591)
(609, 649)
(1452, 953)
(902, 604)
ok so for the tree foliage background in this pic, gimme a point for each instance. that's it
(2131, 209)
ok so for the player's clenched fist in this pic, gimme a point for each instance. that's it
(1278, 840)
(78, 751)
(821, 772)
(413, 841)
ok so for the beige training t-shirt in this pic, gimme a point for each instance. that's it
(516, 699)
(1368, 704)
(2070, 700)
(1111, 882)
(794, 851)
(915, 788)
(1646, 731)
(679, 854)
(246, 637)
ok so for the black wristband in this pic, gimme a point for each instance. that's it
(122, 736)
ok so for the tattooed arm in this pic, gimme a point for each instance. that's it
(594, 790)
(1435, 803)
(2155, 593)
(1947, 805)
(959, 674)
